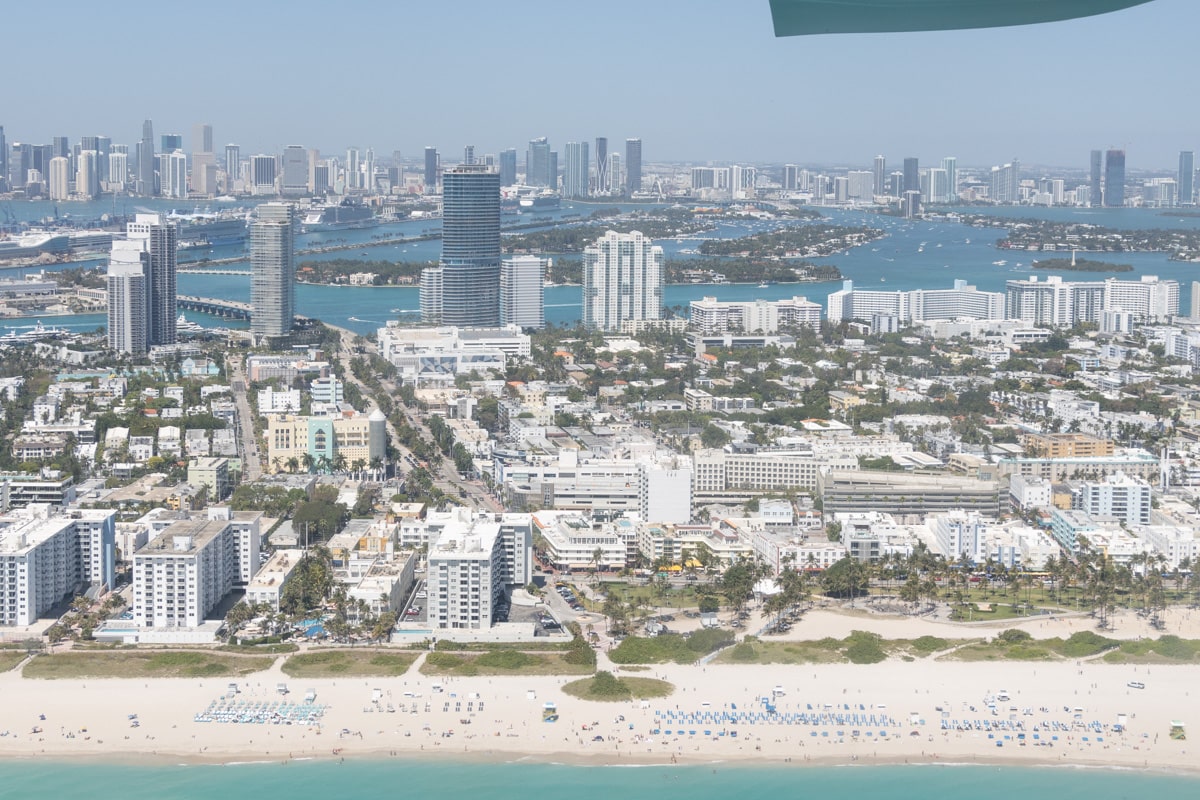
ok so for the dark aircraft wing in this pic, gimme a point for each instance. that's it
(804, 17)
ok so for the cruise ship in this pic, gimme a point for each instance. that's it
(34, 242)
(338, 215)
(528, 198)
(210, 228)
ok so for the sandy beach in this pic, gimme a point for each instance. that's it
(925, 711)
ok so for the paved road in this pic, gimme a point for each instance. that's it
(248, 444)
(447, 478)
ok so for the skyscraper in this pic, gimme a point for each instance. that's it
(791, 177)
(508, 166)
(202, 138)
(1095, 193)
(145, 173)
(262, 174)
(3, 157)
(616, 179)
(233, 164)
(272, 270)
(295, 170)
(601, 163)
(159, 239)
(552, 182)
(172, 173)
(633, 165)
(469, 154)
(912, 175)
(469, 270)
(880, 170)
(950, 164)
(431, 170)
(87, 175)
(1114, 178)
(1187, 174)
(578, 166)
(59, 178)
(537, 162)
(622, 281)
(521, 295)
(127, 301)
(172, 142)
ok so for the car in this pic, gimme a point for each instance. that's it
(1136, 685)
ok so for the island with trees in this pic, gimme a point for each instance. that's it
(1080, 265)
(1039, 235)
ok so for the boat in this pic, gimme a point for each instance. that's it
(763, 284)
(33, 334)
(185, 325)
(1000, 263)
(345, 214)
(542, 201)
(197, 229)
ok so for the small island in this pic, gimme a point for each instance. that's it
(1080, 265)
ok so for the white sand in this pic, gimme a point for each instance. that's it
(510, 724)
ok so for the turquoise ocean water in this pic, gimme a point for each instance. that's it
(364, 780)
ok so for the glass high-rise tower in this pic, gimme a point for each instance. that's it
(1187, 174)
(1114, 178)
(633, 165)
(467, 290)
(272, 270)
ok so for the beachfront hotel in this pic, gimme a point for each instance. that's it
(187, 569)
(474, 558)
(46, 555)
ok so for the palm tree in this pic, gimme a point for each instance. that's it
(338, 463)
(293, 464)
(308, 461)
(358, 466)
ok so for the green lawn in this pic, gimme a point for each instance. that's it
(608, 690)
(858, 647)
(143, 664)
(501, 662)
(349, 663)
(10, 658)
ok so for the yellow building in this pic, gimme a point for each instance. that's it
(1066, 445)
(338, 440)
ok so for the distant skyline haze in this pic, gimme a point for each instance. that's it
(696, 81)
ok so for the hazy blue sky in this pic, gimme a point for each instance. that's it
(695, 79)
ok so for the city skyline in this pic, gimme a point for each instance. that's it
(675, 111)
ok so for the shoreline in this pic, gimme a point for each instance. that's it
(88, 719)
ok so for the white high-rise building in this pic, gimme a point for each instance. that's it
(575, 176)
(127, 300)
(861, 185)
(472, 559)
(521, 295)
(1148, 299)
(962, 301)
(87, 175)
(45, 556)
(118, 171)
(172, 172)
(622, 280)
(939, 185)
(184, 572)
(60, 178)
